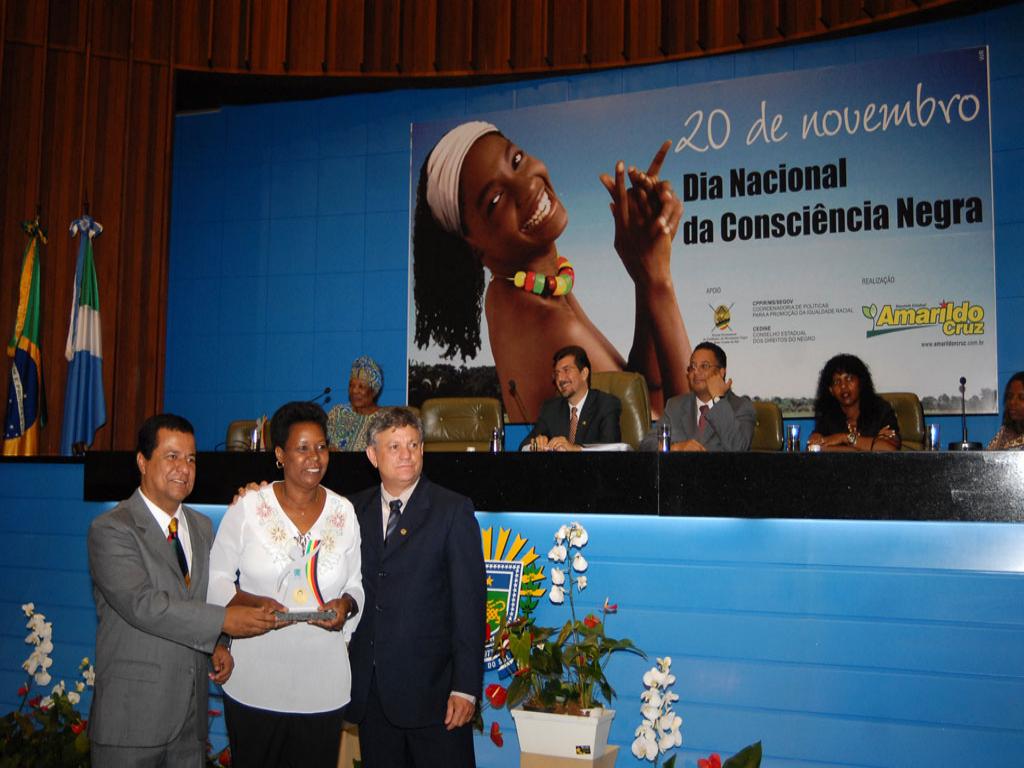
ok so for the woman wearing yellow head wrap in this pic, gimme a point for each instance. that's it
(347, 423)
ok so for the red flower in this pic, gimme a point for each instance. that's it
(77, 728)
(34, 701)
(23, 690)
(522, 671)
(496, 736)
(487, 632)
(591, 621)
(610, 607)
(496, 694)
(213, 712)
(224, 758)
(713, 761)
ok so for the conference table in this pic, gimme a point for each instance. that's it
(982, 486)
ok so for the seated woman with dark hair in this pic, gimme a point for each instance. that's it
(346, 423)
(1010, 436)
(293, 547)
(848, 415)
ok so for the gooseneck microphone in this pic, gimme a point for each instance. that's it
(512, 390)
(326, 395)
(964, 444)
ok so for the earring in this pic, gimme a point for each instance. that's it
(279, 464)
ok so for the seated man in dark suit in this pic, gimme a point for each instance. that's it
(579, 415)
(710, 417)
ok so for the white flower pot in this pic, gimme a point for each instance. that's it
(583, 737)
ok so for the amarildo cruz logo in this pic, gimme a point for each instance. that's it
(963, 319)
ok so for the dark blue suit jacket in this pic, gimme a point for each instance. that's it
(422, 629)
(598, 422)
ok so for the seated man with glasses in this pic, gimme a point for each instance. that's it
(710, 417)
(579, 414)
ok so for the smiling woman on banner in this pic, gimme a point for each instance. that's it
(848, 415)
(484, 202)
(294, 547)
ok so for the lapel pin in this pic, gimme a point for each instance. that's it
(402, 531)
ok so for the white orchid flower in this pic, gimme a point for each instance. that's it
(79, 686)
(58, 688)
(650, 713)
(558, 553)
(670, 740)
(90, 676)
(36, 622)
(579, 563)
(46, 703)
(557, 577)
(578, 536)
(556, 595)
(561, 534)
(645, 746)
(74, 698)
(581, 582)
(669, 721)
(42, 677)
(28, 609)
(665, 663)
(654, 678)
(652, 697)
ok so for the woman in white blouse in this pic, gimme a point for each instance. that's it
(293, 546)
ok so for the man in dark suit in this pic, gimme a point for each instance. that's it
(579, 415)
(417, 656)
(155, 631)
(710, 417)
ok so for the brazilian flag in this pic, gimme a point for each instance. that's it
(26, 400)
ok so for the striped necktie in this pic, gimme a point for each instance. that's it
(172, 537)
(573, 422)
(393, 517)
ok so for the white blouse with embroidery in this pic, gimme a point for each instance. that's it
(300, 668)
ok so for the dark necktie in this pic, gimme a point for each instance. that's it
(396, 513)
(172, 537)
(702, 420)
(573, 421)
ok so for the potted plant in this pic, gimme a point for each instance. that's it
(45, 730)
(555, 694)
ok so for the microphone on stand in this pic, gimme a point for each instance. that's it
(512, 390)
(964, 444)
(326, 394)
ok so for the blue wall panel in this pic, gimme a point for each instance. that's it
(841, 643)
(317, 188)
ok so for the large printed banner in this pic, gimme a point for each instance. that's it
(845, 209)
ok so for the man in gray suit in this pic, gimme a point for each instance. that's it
(149, 560)
(710, 417)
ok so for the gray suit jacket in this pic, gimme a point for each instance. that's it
(153, 635)
(730, 424)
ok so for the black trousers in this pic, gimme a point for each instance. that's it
(384, 745)
(262, 737)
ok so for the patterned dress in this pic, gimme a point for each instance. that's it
(1006, 440)
(346, 429)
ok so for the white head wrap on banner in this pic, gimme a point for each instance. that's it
(444, 168)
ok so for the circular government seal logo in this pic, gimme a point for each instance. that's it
(514, 582)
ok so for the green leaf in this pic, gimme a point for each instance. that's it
(671, 762)
(868, 312)
(748, 757)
